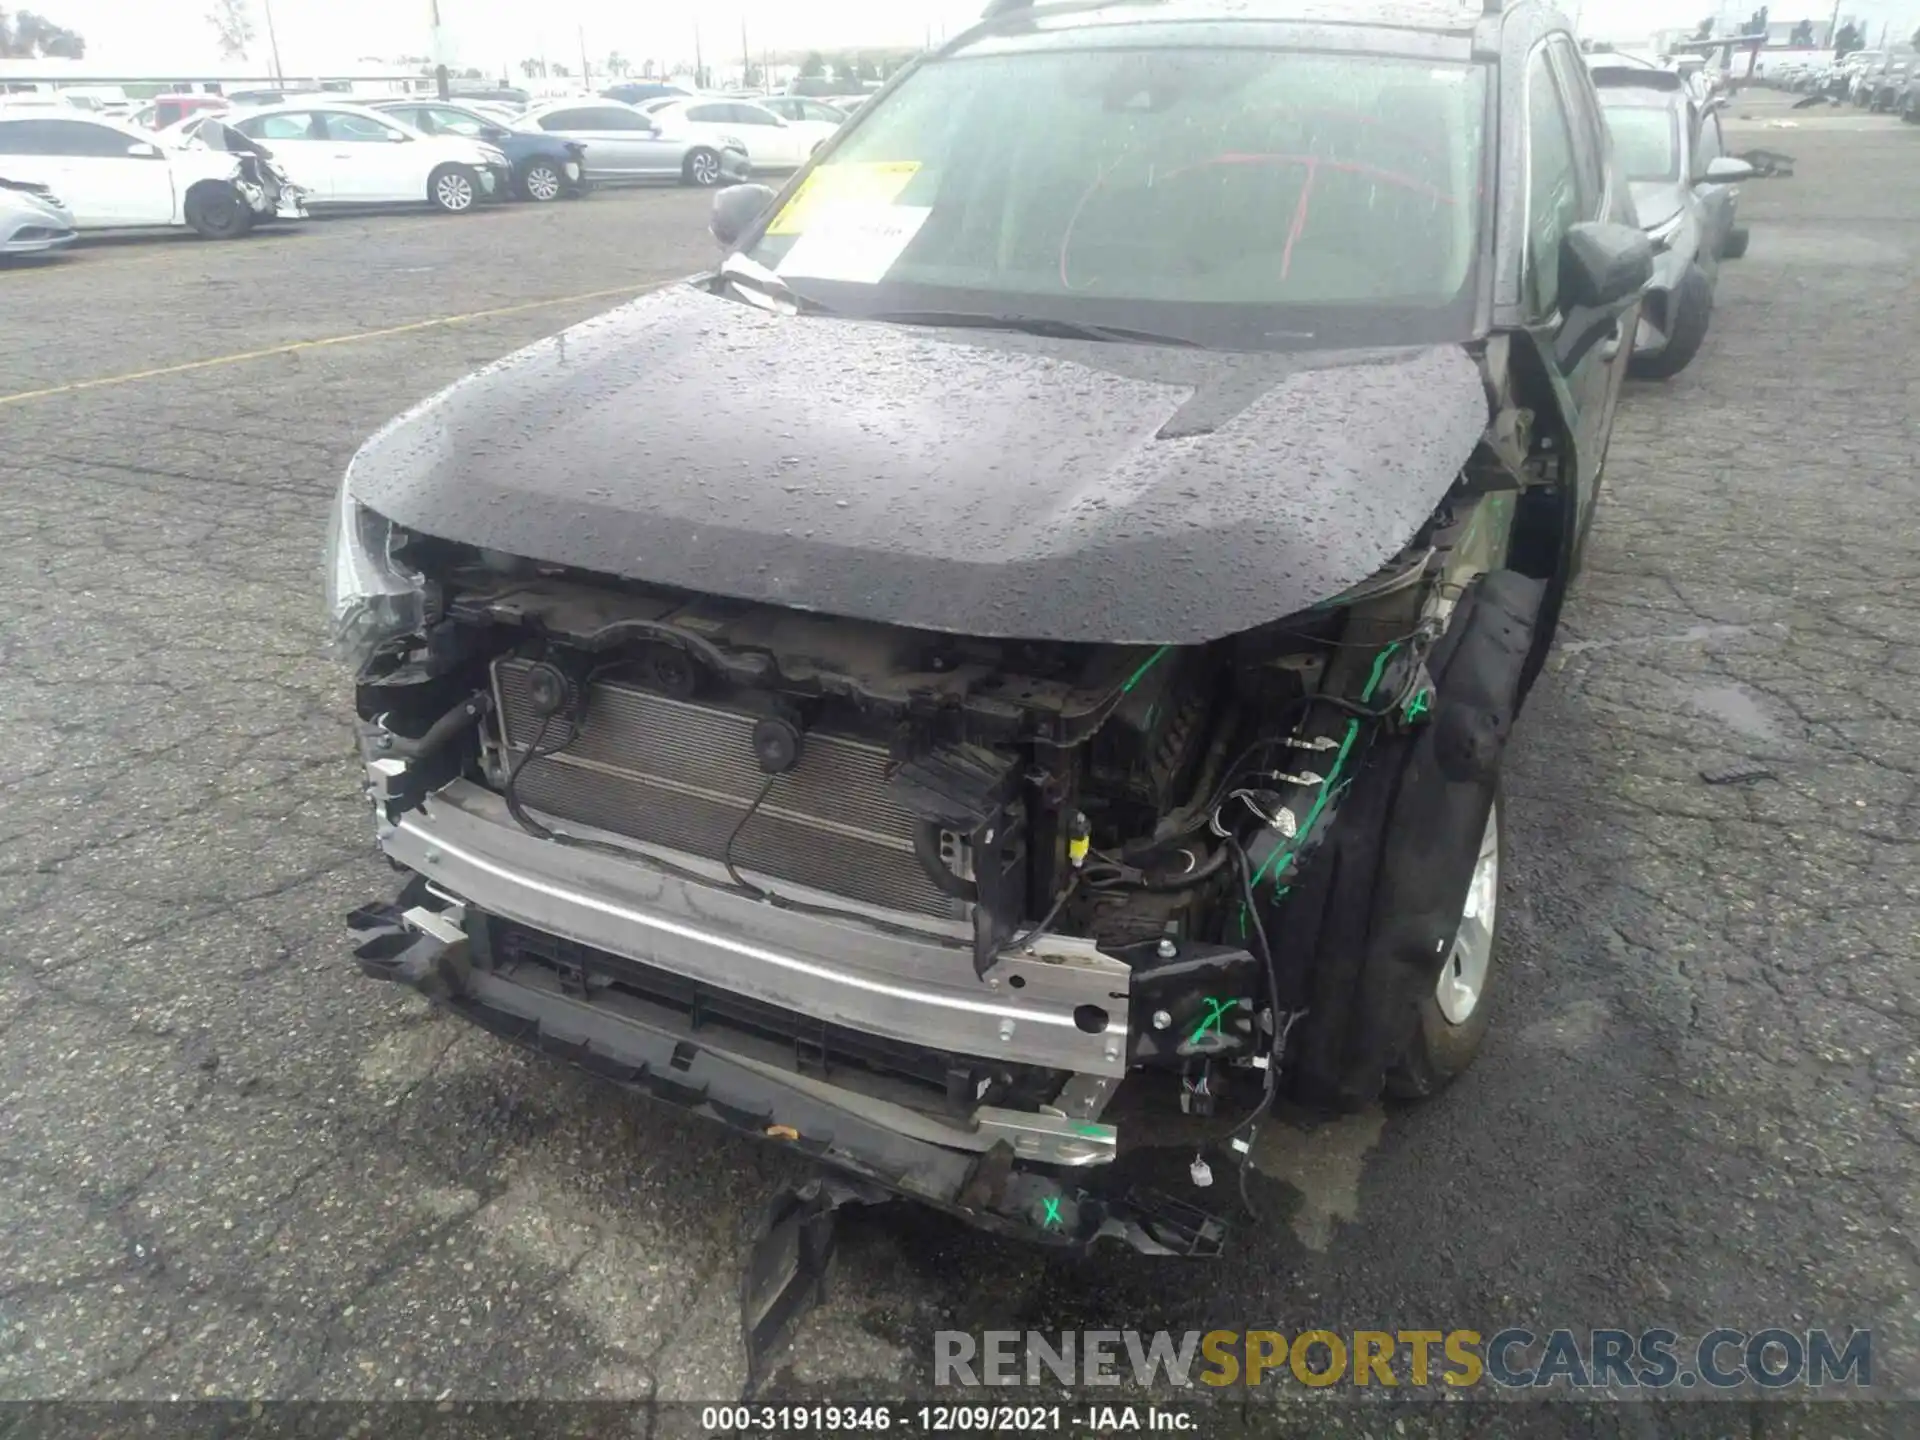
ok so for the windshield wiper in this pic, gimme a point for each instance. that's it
(759, 286)
(1034, 325)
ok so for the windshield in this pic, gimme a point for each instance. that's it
(1235, 197)
(1646, 140)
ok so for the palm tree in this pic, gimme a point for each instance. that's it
(617, 65)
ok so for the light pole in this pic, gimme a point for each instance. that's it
(273, 44)
(439, 48)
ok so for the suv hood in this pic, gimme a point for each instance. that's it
(971, 481)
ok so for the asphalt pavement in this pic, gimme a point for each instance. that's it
(231, 1167)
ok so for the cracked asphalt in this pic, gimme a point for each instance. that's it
(229, 1167)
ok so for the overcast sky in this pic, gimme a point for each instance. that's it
(316, 35)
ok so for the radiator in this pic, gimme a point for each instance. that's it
(681, 774)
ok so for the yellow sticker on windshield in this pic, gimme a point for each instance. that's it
(871, 182)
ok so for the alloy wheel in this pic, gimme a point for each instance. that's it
(1463, 978)
(454, 192)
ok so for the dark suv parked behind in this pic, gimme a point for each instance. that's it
(1016, 663)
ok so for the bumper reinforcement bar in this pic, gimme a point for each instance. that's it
(411, 944)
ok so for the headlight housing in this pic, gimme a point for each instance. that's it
(493, 156)
(733, 142)
(372, 599)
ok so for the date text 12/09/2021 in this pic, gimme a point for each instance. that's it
(944, 1419)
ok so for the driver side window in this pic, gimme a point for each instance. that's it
(453, 122)
(294, 125)
(356, 129)
(1553, 187)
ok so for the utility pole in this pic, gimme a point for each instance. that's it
(699, 67)
(1833, 27)
(272, 43)
(439, 47)
(746, 56)
(586, 73)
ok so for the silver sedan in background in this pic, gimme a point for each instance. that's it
(624, 144)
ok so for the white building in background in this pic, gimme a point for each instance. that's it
(362, 77)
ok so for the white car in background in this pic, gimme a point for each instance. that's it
(772, 143)
(350, 155)
(112, 175)
(804, 110)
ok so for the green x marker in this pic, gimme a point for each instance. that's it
(1419, 705)
(1216, 1011)
(1053, 1220)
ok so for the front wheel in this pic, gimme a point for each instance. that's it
(1691, 310)
(542, 181)
(702, 168)
(454, 189)
(1452, 1018)
(217, 211)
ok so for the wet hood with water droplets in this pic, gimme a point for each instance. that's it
(971, 481)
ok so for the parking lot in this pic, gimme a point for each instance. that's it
(229, 1166)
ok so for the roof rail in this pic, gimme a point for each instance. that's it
(999, 9)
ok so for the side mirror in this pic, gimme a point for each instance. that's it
(1726, 170)
(1603, 265)
(493, 134)
(141, 150)
(734, 211)
(1603, 269)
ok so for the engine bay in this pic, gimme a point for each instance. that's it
(1159, 802)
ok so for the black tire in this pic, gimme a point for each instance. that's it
(1440, 1049)
(217, 211)
(454, 189)
(543, 181)
(702, 168)
(1735, 245)
(1686, 332)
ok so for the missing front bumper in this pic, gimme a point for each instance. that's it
(980, 1176)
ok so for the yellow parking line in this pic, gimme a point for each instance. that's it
(299, 345)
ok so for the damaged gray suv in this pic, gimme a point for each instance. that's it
(1057, 707)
